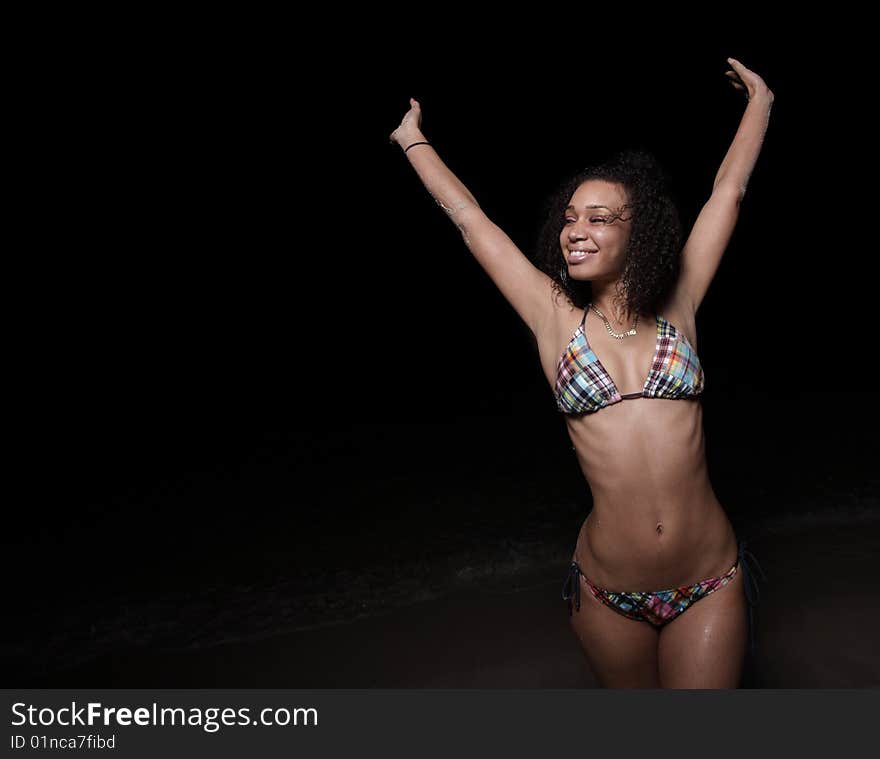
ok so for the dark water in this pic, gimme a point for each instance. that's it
(275, 530)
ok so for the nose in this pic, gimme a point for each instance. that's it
(577, 232)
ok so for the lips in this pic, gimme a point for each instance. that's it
(576, 256)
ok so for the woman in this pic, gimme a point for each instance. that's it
(626, 374)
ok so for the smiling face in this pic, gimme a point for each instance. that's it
(596, 231)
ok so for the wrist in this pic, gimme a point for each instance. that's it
(410, 138)
(763, 97)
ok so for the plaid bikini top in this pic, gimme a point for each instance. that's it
(583, 386)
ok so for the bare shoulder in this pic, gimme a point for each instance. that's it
(560, 318)
(556, 312)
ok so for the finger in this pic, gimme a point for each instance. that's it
(739, 67)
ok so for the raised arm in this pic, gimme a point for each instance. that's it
(715, 224)
(524, 286)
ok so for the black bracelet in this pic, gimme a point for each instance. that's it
(416, 143)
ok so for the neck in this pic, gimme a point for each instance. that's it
(609, 298)
(618, 315)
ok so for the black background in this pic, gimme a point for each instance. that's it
(247, 329)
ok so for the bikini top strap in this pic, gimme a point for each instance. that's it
(583, 318)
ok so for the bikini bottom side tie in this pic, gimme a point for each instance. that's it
(750, 583)
(572, 587)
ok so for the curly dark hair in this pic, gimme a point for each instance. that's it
(653, 254)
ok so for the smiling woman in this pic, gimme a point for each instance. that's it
(611, 245)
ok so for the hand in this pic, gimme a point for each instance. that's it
(743, 79)
(409, 129)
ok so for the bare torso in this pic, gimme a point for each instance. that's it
(656, 522)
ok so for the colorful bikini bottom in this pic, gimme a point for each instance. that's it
(660, 607)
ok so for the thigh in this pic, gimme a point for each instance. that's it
(621, 652)
(704, 646)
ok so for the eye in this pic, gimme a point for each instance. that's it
(593, 220)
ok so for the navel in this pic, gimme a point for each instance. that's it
(659, 528)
